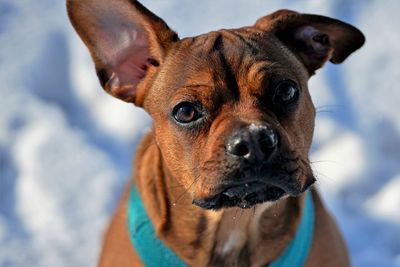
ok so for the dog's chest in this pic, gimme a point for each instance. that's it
(238, 236)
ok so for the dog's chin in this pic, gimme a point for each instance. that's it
(243, 196)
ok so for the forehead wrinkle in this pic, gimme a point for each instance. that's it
(256, 72)
(227, 55)
(244, 55)
(254, 82)
(223, 61)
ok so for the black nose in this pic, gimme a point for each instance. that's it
(254, 143)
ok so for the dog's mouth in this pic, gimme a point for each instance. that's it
(246, 186)
(244, 196)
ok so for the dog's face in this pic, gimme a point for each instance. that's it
(235, 119)
(232, 114)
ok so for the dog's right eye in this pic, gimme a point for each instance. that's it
(185, 113)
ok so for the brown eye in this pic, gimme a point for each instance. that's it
(185, 113)
(286, 93)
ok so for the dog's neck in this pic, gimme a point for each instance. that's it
(229, 237)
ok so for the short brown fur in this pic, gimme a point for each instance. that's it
(230, 78)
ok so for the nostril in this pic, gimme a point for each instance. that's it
(268, 142)
(266, 147)
(239, 148)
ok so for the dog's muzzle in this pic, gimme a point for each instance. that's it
(242, 195)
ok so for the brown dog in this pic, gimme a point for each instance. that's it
(233, 124)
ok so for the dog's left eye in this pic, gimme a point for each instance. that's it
(185, 113)
(286, 93)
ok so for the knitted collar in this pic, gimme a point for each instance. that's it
(154, 253)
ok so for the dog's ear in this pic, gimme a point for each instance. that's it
(126, 42)
(314, 39)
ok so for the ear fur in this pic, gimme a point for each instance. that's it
(124, 38)
(314, 39)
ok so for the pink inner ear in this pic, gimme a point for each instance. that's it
(127, 71)
(123, 47)
(314, 44)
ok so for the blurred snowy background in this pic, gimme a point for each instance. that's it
(66, 147)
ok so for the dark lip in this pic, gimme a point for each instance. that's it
(243, 190)
(243, 195)
(246, 183)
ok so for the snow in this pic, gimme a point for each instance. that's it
(384, 204)
(66, 147)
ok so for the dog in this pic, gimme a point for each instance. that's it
(223, 178)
